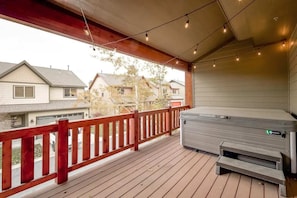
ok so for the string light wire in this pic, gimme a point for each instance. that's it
(160, 25)
(166, 23)
(86, 24)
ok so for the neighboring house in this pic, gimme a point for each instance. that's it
(177, 93)
(36, 95)
(118, 95)
(174, 92)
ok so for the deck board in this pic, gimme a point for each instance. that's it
(161, 169)
(244, 187)
(257, 189)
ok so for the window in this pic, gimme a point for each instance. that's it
(24, 91)
(175, 91)
(17, 121)
(70, 92)
(121, 90)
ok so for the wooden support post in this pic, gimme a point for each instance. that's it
(86, 143)
(97, 139)
(106, 137)
(45, 154)
(136, 130)
(131, 131)
(6, 164)
(169, 120)
(74, 144)
(27, 159)
(121, 133)
(62, 151)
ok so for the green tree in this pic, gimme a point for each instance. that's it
(143, 90)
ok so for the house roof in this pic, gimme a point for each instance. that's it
(115, 80)
(53, 77)
(51, 106)
(178, 82)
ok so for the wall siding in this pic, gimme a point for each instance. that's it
(23, 74)
(293, 72)
(253, 82)
(6, 94)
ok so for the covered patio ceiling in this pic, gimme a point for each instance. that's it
(124, 24)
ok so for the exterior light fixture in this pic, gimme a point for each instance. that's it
(195, 51)
(284, 43)
(187, 22)
(225, 29)
(86, 31)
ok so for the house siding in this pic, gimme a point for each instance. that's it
(57, 93)
(253, 82)
(293, 72)
(7, 95)
(23, 74)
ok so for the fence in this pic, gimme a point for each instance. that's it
(79, 143)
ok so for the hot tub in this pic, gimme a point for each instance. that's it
(204, 128)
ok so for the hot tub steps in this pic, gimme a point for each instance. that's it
(252, 161)
(248, 151)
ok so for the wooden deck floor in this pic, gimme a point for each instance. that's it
(162, 169)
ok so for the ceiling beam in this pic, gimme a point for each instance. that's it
(49, 17)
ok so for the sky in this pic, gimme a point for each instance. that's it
(40, 48)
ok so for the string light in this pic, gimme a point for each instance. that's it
(284, 43)
(225, 29)
(237, 58)
(176, 62)
(195, 51)
(86, 27)
(160, 25)
(186, 26)
(86, 31)
(187, 22)
(214, 63)
(259, 52)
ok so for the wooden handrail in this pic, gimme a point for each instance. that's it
(109, 135)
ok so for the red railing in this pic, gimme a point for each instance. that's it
(90, 141)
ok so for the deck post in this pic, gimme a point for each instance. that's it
(169, 120)
(62, 151)
(136, 130)
(27, 159)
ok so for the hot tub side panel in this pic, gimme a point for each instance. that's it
(207, 134)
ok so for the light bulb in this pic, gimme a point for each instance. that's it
(86, 31)
(187, 24)
(284, 44)
(195, 51)
(146, 37)
(225, 29)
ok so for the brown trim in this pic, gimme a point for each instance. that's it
(189, 87)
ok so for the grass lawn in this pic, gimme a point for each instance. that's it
(16, 154)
